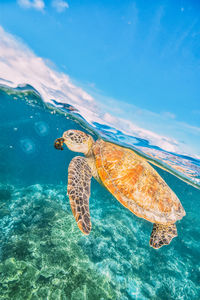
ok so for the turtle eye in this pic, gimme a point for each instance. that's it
(70, 134)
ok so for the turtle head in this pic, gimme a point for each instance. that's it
(75, 140)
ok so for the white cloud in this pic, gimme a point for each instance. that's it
(60, 5)
(169, 115)
(20, 65)
(36, 4)
(130, 128)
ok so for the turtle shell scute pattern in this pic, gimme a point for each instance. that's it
(132, 180)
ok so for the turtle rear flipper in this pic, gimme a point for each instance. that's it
(162, 235)
(79, 178)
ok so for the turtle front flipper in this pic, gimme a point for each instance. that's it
(79, 178)
(162, 235)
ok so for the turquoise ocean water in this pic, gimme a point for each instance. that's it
(43, 254)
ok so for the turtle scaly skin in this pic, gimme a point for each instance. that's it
(79, 192)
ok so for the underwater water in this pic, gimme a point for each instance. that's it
(43, 254)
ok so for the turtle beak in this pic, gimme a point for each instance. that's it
(59, 143)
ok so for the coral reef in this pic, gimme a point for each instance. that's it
(45, 256)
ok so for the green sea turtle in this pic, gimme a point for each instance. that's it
(128, 177)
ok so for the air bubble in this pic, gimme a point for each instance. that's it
(41, 128)
(27, 145)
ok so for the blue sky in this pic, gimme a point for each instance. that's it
(144, 53)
